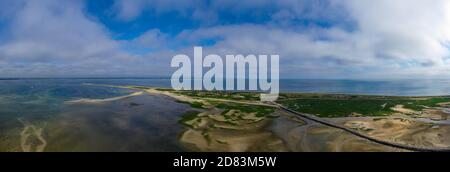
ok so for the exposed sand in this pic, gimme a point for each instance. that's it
(175, 96)
(27, 134)
(90, 101)
(322, 138)
(314, 137)
(233, 131)
(213, 131)
(229, 141)
(401, 109)
(403, 131)
(444, 104)
(436, 114)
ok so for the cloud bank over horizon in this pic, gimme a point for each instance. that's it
(360, 39)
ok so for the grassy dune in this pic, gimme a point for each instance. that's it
(322, 105)
(345, 105)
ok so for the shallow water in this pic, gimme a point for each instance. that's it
(141, 123)
(401, 87)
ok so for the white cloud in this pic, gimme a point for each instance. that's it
(404, 29)
(50, 37)
(362, 38)
(152, 40)
(401, 38)
(130, 9)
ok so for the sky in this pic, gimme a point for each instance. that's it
(317, 39)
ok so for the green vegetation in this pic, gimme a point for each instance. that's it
(139, 87)
(322, 105)
(221, 95)
(420, 104)
(340, 108)
(198, 105)
(189, 116)
(164, 89)
(207, 137)
(261, 111)
(331, 105)
(221, 142)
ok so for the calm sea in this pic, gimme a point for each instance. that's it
(389, 87)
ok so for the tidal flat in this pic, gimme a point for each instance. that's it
(123, 118)
(138, 123)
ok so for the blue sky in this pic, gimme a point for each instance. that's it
(314, 38)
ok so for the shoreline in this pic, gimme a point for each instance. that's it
(281, 92)
(87, 101)
(198, 136)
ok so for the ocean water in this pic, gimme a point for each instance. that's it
(406, 87)
(31, 109)
(43, 97)
(389, 87)
(71, 87)
(35, 115)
